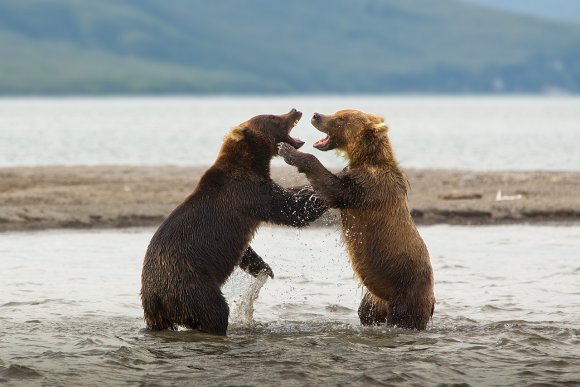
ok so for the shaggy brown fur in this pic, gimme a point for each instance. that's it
(198, 246)
(385, 249)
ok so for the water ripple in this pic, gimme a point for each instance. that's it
(494, 323)
(16, 372)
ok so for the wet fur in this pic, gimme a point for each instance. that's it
(386, 251)
(200, 243)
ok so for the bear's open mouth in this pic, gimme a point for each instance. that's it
(292, 127)
(296, 142)
(323, 143)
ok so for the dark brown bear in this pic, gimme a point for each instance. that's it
(200, 243)
(385, 248)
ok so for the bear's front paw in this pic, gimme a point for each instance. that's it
(262, 267)
(268, 270)
(288, 153)
(294, 157)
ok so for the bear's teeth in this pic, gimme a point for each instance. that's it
(322, 141)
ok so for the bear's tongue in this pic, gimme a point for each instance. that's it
(322, 142)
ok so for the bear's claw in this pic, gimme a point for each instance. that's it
(268, 270)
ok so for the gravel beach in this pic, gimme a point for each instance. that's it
(128, 196)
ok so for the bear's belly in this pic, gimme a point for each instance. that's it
(385, 251)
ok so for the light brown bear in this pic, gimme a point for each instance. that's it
(386, 251)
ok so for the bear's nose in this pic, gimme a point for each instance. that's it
(316, 116)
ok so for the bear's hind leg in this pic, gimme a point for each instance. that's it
(411, 312)
(372, 310)
(156, 317)
(160, 325)
(208, 312)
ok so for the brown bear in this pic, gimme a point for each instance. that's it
(386, 251)
(200, 243)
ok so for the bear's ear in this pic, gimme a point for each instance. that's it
(381, 127)
(379, 124)
(238, 133)
(378, 119)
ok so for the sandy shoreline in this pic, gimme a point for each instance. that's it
(128, 196)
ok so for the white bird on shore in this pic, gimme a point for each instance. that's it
(499, 197)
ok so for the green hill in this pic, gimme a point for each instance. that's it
(306, 46)
(568, 10)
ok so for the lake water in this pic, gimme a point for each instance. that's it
(508, 313)
(483, 133)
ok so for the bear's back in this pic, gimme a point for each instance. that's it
(206, 233)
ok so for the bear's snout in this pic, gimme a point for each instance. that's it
(317, 121)
(297, 115)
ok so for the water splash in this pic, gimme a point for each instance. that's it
(244, 307)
